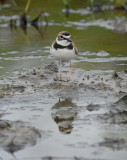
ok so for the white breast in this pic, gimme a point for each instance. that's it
(63, 54)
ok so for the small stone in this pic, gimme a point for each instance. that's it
(88, 77)
(115, 75)
(81, 85)
(55, 79)
(42, 76)
(34, 72)
(92, 82)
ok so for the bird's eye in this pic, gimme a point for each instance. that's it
(61, 36)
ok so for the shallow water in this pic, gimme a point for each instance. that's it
(71, 127)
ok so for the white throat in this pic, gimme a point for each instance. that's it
(62, 42)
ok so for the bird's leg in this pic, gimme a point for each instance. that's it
(69, 78)
(59, 75)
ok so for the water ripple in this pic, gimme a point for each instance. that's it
(100, 54)
(111, 59)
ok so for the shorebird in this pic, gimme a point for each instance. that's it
(63, 49)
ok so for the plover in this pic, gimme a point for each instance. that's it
(63, 49)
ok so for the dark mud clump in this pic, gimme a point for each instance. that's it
(114, 144)
(117, 112)
(15, 136)
(7, 90)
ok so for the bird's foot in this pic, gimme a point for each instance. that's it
(59, 76)
(68, 79)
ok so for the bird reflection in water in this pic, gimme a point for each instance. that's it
(64, 113)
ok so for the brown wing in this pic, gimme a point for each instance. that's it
(75, 48)
(53, 43)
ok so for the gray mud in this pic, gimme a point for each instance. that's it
(110, 84)
(15, 136)
(91, 109)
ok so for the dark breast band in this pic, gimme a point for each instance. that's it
(58, 46)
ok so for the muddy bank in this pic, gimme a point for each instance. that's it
(82, 82)
(94, 89)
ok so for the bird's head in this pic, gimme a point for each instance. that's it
(63, 38)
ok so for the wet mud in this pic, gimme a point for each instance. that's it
(91, 98)
(15, 136)
(82, 82)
